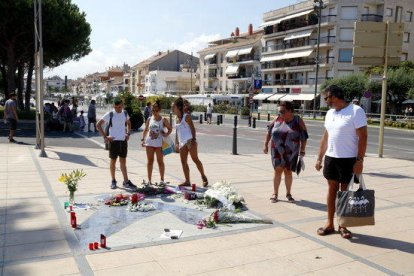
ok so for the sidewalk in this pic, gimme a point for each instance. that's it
(36, 238)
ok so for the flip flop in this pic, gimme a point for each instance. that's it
(274, 199)
(205, 181)
(345, 233)
(325, 231)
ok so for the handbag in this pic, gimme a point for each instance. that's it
(167, 145)
(355, 208)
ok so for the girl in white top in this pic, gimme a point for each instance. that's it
(152, 139)
(185, 141)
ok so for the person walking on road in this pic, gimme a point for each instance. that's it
(288, 136)
(92, 115)
(152, 139)
(147, 111)
(343, 144)
(209, 113)
(186, 143)
(10, 116)
(117, 138)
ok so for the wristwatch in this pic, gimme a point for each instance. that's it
(360, 159)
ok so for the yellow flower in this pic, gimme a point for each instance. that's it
(62, 178)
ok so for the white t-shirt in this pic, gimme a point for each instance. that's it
(118, 129)
(341, 127)
(209, 110)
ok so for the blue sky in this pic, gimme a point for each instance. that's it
(131, 30)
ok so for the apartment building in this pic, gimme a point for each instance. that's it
(160, 82)
(163, 61)
(227, 65)
(290, 39)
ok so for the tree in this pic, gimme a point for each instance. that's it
(353, 85)
(65, 37)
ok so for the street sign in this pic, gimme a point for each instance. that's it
(370, 42)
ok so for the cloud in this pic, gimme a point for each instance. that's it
(123, 50)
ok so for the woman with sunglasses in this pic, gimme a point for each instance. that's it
(152, 139)
(185, 141)
(288, 136)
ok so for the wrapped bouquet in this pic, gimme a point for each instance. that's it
(223, 194)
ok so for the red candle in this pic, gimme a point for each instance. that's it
(70, 208)
(91, 246)
(216, 216)
(103, 241)
(96, 245)
(73, 219)
(193, 187)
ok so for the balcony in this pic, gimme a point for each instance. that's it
(212, 75)
(371, 17)
(298, 23)
(241, 76)
(288, 63)
(301, 43)
(310, 81)
(212, 61)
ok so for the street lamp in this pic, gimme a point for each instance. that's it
(319, 5)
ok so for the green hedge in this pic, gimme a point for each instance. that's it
(132, 106)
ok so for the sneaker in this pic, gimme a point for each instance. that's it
(12, 140)
(290, 198)
(162, 183)
(129, 185)
(113, 184)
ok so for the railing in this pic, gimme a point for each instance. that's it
(310, 81)
(286, 63)
(371, 17)
(295, 44)
(298, 23)
(212, 75)
(240, 76)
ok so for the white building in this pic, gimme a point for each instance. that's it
(290, 36)
(160, 82)
(54, 84)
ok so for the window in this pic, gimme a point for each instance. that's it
(346, 34)
(345, 55)
(388, 12)
(349, 13)
(342, 73)
(408, 16)
(406, 37)
(398, 14)
(404, 57)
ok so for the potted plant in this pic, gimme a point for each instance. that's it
(245, 112)
(71, 181)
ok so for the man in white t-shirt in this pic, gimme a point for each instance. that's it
(209, 113)
(343, 144)
(117, 139)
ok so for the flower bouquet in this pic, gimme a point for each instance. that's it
(223, 195)
(71, 181)
(141, 207)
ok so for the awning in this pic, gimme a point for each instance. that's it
(277, 21)
(276, 97)
(245, 51)
(299, 34)
(287, 55)
(232, 53)
(262, 96)
(209, 56)
(298, 97)
(232, 69)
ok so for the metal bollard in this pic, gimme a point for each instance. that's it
(201, 118)
(234, 150)
(268, 117)
(218, 120)
(171, 122)
(254, 122)
(258, 116)
(205, 116)
(250, 121)
(221, 119)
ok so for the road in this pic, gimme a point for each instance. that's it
(218, 139)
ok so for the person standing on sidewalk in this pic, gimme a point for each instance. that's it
(10, 116)
(92, 115)
(119, 132)
(343, 144)
(147, 111)
(185, 142)
(209, 113)
(152, 139)
(288, 136)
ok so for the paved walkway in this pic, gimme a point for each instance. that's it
(36, 238)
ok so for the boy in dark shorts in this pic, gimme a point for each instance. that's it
(117, 138)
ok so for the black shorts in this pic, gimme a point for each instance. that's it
(12, 123)
(338, 169)
(91, 120)
(118, 149)
(209, 115)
